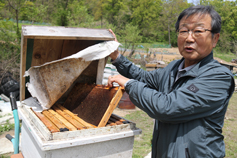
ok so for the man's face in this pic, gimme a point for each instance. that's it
(195, 48)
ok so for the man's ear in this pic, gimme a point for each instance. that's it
(215, 39)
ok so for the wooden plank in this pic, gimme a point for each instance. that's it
(114, 102)
(150, 69)
(69, 118)
(23, 67)
(46, 50)
(57, 122)
(74, 46)
(47, 122)
(63, 120)
(69, 38)
(154, 65)
(58, 32)
(100, 71)
(84, 123)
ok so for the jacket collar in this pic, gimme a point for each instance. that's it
(194, 71)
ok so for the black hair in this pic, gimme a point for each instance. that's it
(201, 10)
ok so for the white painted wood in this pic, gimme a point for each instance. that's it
(27, 112)
(34, 144)
(100, 71)
(116, 148)
(85, 133)
(59, 32)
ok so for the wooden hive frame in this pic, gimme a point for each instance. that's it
(59, 118)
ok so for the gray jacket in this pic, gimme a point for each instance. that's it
(189, 113)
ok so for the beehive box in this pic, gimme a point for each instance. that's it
(44, 44)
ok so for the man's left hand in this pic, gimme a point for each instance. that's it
(121, 80)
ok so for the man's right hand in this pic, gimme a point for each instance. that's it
(115, 54)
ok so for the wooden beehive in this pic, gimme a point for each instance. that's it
(44, 44)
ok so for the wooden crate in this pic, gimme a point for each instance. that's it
(42, 44)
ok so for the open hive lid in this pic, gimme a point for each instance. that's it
(55, 81)
(42, 44)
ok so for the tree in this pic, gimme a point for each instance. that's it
(27, 11)
(169, 15)
(78, 14)
(15, 6)
(111, 10)
(130, 36)
(145, 14)
(61, 12)
(228, 13)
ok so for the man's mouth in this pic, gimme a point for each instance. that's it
(189, 49)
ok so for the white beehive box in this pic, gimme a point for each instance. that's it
(44, 44)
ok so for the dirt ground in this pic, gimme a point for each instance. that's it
(164, 54)
(123, 112)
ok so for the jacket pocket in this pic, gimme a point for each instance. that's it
(187, 155)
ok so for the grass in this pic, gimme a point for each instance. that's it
(225, 56)
(4, 156)
(142, 143)
(230, 128)
(6, 127)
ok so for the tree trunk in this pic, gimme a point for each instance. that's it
(169, 33)
(132, 51)
(17, 26)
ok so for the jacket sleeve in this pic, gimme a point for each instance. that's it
(129, 70)
(182, 104)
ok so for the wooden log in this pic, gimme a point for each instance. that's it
(46, 122)
(57, 122)
(63, 120)
(84, 123)
(69, 118)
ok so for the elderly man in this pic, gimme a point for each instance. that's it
(189, 97)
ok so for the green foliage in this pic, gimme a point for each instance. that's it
(134, 21)
(6, 127)
(169, 15)
(130, 36)
(228, 13)
(78, 16)
(9, 48)
(224, 56)
(27, 11)
(142, 143)
(145, 15)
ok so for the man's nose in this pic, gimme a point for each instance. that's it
(190, 37)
